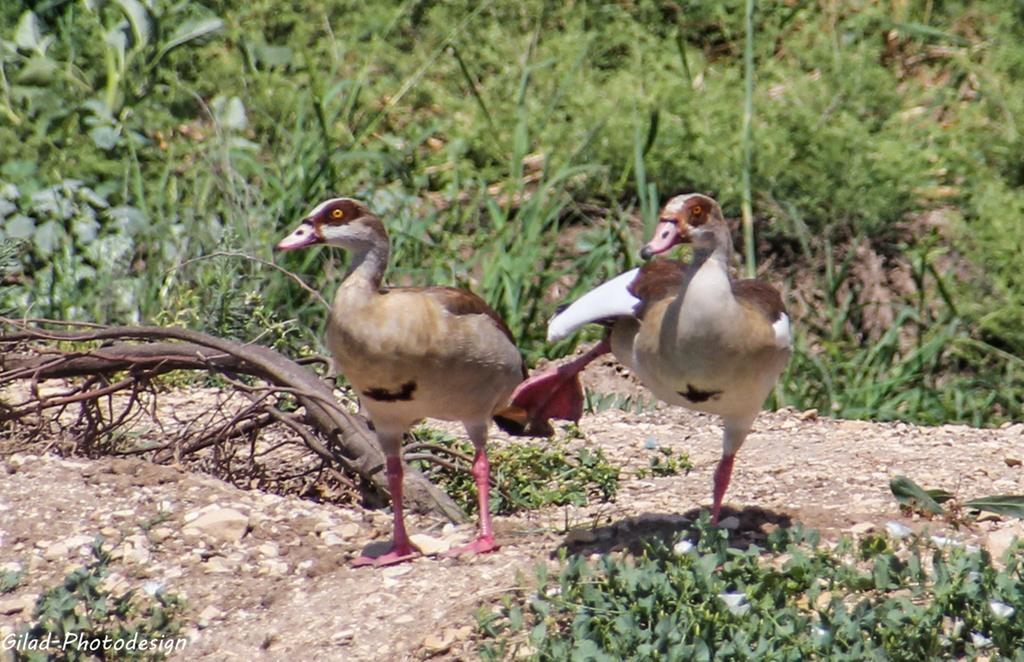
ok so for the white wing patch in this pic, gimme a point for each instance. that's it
(611, 299)
(783, 333)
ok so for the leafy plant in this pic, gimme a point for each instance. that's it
(594, 402)
(795, 599)
(74, 237)
(99, 624)
(10, 580)
(9, 251)
(913, 497)
(524, 476)
(665, 462)
(220, 306)
(131, 38)
(522, 149)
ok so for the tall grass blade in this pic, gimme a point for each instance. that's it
(472, 85)
(747, 141)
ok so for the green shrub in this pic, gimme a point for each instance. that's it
(512, 147)
(83, 620)
(525, 476)
(796, 599)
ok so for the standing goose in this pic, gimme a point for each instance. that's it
(411, 353)
(694, 336)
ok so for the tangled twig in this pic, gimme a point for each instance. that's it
(112, 383)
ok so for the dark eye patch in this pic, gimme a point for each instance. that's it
(338, 213)
(698, 210)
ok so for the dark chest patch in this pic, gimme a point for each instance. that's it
(694, 394)
(401, 394)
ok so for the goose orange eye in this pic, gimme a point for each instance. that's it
(698, 210)
(337, 214)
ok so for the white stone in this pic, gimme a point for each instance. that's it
(980, 641)
(436, 645)
(897, 530)
(135, 549)
(331, 539)
(268, 549)
(273, 567)
(396, 570)
(218, 565)
(1001, 609)
(115, 583)
(735, 602)
(342, 637)
(16, 605)
(160, 533)
(208, 616)
(430, 545)
(682, 547)
(347, 531)
(999, 541)
(62, 548)
(225, 524)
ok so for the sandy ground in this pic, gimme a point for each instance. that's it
(272, 582)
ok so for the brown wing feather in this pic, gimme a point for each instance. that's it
(657, 280)
(462, 302)
(761, 296)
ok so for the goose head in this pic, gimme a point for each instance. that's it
(690, 218)
(342, 222)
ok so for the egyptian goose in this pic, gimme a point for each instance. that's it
(411, 353)
(694, 336)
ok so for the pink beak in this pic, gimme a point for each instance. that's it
(302, 236)
(666, 235)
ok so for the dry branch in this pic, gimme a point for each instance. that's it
(158, 350)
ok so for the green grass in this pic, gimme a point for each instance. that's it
(794, 599)
(93, 623)
(10, 580)
(525, 476)
(665, 463)
(507, 145)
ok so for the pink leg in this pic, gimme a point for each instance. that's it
(482, 475)
(555, 393)
(485, 541)
(577, 365)
(722, 475)
(401, 550)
